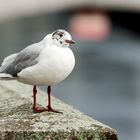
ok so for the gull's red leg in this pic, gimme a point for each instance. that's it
(49, 96)
(50, 109)
(35, 109)
(34, 96)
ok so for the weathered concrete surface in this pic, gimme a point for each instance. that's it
(18, 122)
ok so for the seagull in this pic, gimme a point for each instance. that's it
(47, 62)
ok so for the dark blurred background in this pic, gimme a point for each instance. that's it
(105, 83)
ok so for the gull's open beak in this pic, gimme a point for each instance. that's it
(70, 41)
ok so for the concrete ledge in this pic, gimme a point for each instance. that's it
(18, 122)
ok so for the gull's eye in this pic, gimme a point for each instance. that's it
(60, 34)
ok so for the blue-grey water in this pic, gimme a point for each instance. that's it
(105, 83)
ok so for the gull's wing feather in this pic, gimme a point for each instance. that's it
(9, 59)
(26, 58)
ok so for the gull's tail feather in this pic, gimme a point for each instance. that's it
(6, 68)
(5, 76)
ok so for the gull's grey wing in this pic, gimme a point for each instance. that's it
(25, 58)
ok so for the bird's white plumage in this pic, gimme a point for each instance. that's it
(54, 65)
(55, 61)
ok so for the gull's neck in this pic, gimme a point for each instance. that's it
(48, 40)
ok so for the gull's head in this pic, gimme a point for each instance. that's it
(62, 38)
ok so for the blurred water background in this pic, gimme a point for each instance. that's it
(105, 83)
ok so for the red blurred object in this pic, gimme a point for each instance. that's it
(91, 25)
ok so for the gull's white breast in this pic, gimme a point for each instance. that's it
(54, 65)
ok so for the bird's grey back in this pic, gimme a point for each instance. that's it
(26, 58)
